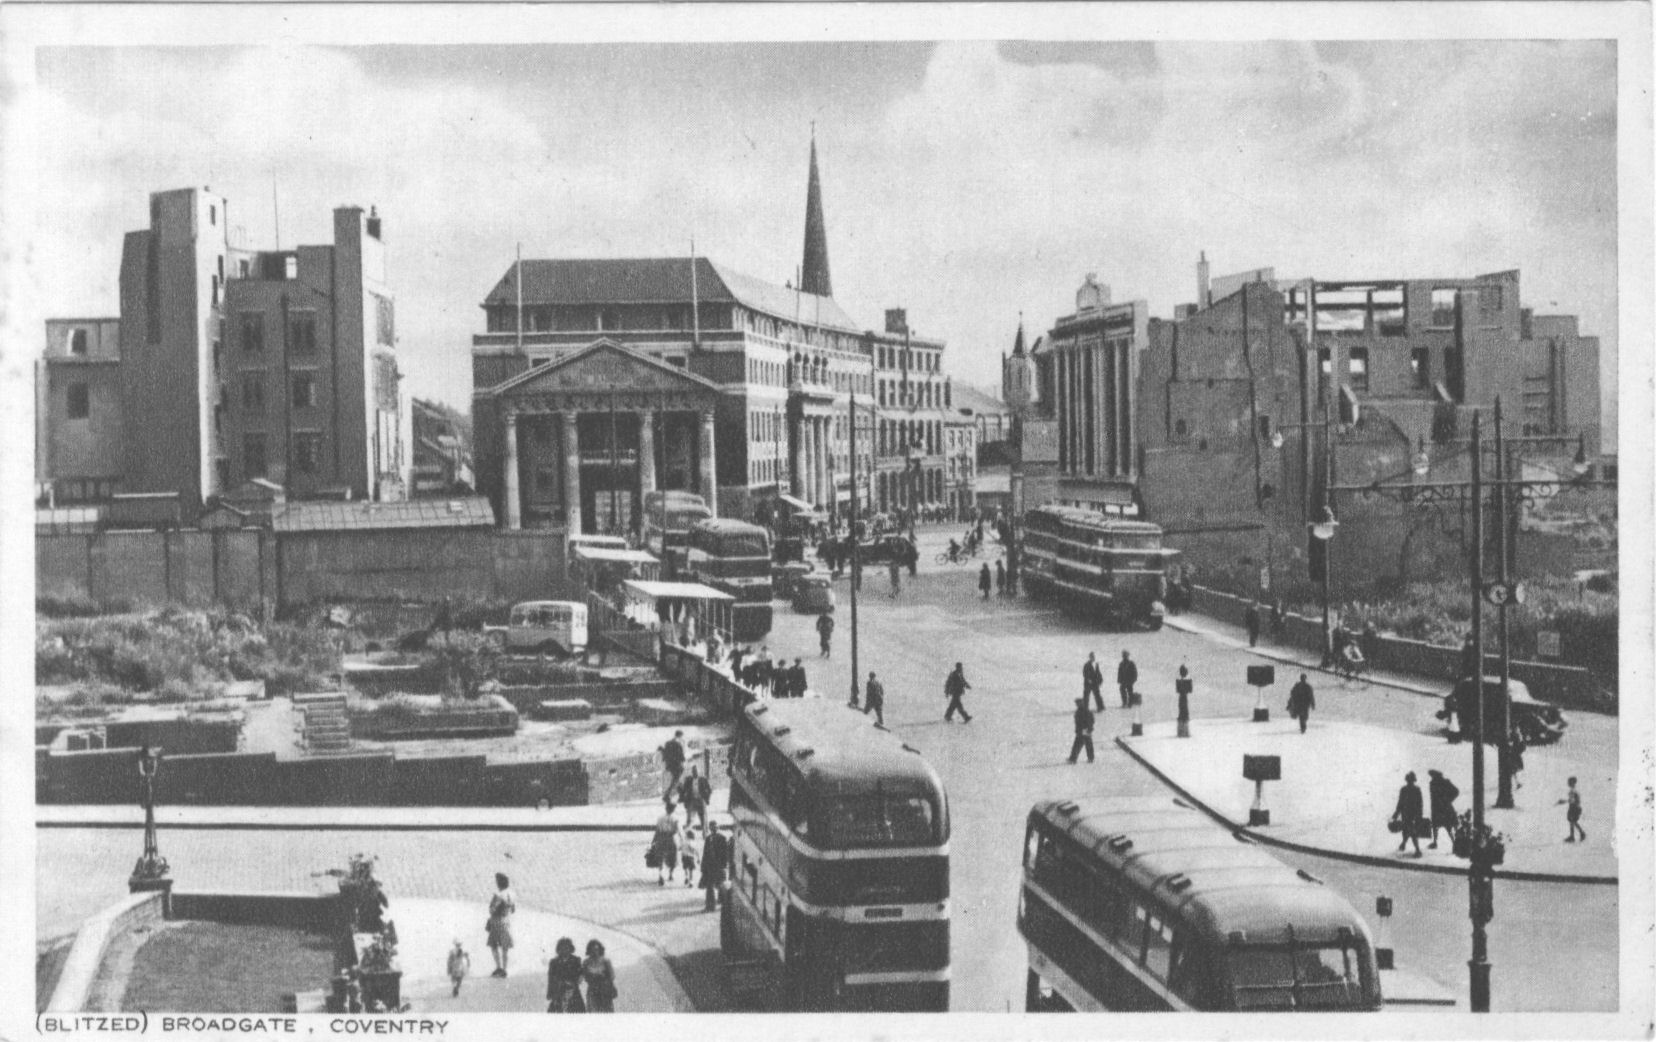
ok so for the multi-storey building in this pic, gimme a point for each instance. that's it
(913, 399)
(597, 381)
(171, 333)
(248, 364)
(1089, 374)
(79, 433)
(310, 393)
(960, 444)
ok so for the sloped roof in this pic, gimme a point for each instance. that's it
(968, 397)
(331, 516)
(659, 280)
(604, 345)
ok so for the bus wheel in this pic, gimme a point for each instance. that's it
(1032, 993)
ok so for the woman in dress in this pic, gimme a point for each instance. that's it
(600, 979)
(501, 907)
(563, 980)
(664, 846)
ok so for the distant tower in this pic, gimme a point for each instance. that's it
(1202, 292)
(1017, 375)
(814, 275)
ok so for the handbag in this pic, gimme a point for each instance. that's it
(1394, 825)
(652, 858)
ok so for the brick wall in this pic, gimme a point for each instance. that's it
(248, 568)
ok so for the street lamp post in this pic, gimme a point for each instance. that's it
(1438, 496)
(856, 550)
(150, 872)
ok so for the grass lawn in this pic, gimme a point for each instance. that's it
(201, 967)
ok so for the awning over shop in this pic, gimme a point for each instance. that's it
(796, 503)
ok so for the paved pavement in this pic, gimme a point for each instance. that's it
(427, 929)
(1332, 774)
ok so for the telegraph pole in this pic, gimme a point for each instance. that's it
(1480, 881)
(856, 550)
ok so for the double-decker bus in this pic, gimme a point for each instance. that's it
(1141, 903)
(840, 862)
(1111, 565)
(733, 557)
(667, 520)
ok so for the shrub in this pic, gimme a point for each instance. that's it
(467, 660)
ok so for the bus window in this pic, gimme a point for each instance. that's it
(879, 821)
(1307, 978)
(1158, 950)
(1328, 978)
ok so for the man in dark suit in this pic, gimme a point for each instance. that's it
(1126, 677)
(1092, 681)
(715, 865)
(1083, 731)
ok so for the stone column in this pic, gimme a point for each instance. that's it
(709, 470)
(572, 474)
(796, 450)
(513, 496)
(646, 452)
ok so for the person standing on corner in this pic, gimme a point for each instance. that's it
(1000, 578)
(874, 700)
(1250, 619)
(501, 907)
(1301, 700)
(1092, 681)
(825, 633)
(985, 581)
(895, 570)
(1083, 731)
(1410, 813)
(1441, 793)
(1126, 677)
(956, 687)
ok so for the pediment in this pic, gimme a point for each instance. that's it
(603, 367)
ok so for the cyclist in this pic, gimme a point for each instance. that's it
(954, 552)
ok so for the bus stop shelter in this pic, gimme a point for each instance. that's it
(684, 612)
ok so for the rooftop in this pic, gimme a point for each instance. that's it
(327, 516)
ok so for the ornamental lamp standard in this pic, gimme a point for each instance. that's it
(1322, 530)
(150, 871)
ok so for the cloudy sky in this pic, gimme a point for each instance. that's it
(968, 181)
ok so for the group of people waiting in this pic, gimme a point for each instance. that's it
(573, 985)
(775, 678)
(674, 846)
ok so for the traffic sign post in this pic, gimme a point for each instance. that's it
(1260, 678)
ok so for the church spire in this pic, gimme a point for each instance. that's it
(1018, 344)
(815, 271)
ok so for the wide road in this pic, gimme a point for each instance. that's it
(1554, 946)
(1023, 659)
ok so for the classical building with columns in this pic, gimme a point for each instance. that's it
(739, 387)
(1093, 371)
(598, 380)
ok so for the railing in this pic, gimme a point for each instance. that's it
(715, 690)
(608, 623)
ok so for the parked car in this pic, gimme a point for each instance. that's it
(1535, 722)
(813, 594)
(538, 627)
(881, 549)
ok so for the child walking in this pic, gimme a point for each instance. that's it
(688, 853)
(1573, 813)
(459, 964)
